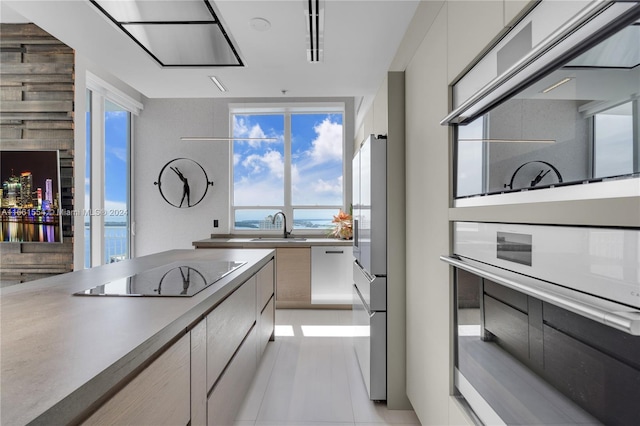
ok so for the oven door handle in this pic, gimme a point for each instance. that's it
(608, 313)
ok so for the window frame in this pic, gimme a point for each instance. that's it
(99, 93)
(288, 208)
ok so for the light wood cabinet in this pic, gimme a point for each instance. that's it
(229, 392)
(293, 277)
(227, 326)
(159, 395)
(199, 374)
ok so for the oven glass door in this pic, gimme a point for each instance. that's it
(513, 367)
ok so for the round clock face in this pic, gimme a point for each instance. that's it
(183, 183)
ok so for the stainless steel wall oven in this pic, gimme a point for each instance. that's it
(560, 106)
(552, 340)
(547, 317)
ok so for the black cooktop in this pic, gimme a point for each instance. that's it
(178, 279)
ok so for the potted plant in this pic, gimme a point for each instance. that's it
(343, 226)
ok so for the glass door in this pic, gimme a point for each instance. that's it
(107, 181)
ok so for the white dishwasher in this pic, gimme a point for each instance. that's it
(331, 275)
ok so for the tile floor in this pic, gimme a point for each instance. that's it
(306, 380)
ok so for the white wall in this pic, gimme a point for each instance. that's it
(457, 32)
(157, 131)
(427, 174)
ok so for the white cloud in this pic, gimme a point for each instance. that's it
(236, 159)
(314, 190)
(256, 132)
(240, 127)
(323, 186)
(253, 162)
(243, 129)
(271, 160)
(328, 144)
(264, 192)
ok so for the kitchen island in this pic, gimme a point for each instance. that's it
(69, 359)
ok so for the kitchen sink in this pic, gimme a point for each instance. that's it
(279, 240)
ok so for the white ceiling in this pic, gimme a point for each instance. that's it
(361, 38)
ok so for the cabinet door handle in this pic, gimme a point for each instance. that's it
(334, 251)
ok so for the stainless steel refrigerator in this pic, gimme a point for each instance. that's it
(370, 264)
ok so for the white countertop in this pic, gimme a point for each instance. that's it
(61, 353)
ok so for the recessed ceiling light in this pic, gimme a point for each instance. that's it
(259, 24)
(217, 83)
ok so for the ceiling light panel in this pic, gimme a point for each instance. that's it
(156, 11)
(192, 44)
(176, 33)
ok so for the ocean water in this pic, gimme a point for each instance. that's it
(116, 244)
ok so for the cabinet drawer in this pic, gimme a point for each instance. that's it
(266, 285)
(227, 326)
(267, 322)
(509, 325)
(230, 390)
(159, 395)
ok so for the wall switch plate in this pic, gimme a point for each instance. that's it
(215, 223)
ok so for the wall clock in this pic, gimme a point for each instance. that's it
(183, 182)
(534, 173)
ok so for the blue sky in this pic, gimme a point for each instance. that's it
(316, 160)
(116, 138)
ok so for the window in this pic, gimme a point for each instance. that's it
(117, 125)
(87, 184)
(298, 169)
(107, 213)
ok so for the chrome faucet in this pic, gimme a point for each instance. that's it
(285, 234)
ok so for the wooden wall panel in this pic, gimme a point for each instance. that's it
(37, 112)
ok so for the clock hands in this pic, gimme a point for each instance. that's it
(538, 178)
(194, 171)
(186, 191)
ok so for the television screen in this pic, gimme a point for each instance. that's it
(30, 196)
